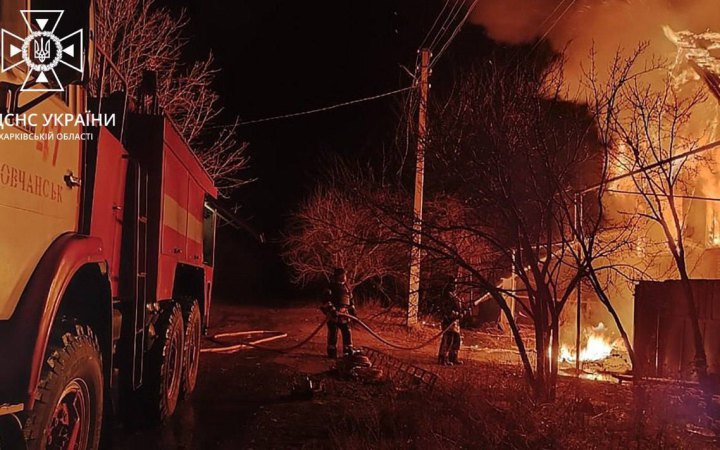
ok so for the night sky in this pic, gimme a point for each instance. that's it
(280, 56)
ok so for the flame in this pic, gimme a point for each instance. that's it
(597, 347)
(714, 231)
(671, 35)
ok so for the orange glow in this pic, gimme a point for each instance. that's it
(597, 347)
(714, 230)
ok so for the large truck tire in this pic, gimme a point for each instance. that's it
(68, 409)
(191, 358)
(163, 369)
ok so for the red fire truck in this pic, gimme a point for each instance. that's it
(106, 257)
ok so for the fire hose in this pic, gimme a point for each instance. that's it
(236, 347)
(255, 344)
(390, 344)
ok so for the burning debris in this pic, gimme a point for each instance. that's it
(600, 352)
(596, 349)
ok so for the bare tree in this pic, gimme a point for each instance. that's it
(509, 152)
(141, 36)
(652, 126)
(515, 151)
(607, 241)
(331, 230)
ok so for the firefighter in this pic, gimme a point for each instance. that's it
(452, 312)
(338, 299)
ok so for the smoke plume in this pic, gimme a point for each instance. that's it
(577, 25)
(574, 27)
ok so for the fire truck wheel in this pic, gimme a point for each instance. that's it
(191, 360)
(69, 406)
(163, 374)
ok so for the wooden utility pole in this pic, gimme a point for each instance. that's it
(415, 252)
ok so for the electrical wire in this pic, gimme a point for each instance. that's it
(454, 33)
(547, 32)
(451, 17)
(411, 102)
(557, 7)
(435, 22)
(327, 108)
(441, 30)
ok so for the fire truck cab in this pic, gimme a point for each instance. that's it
(107, 235)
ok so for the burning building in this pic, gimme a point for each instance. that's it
(682, 241)
(687, 215)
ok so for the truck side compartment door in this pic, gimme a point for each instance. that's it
(174, 212)
(196, 200)
(108, 200)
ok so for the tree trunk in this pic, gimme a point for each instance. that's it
(555, 355)
(700, 357)
(529, 375)
(606, 301)
(543, 376)
(677, 249)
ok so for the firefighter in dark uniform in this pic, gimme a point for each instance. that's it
(452, 312)
(338, 300)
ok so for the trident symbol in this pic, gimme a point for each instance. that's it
(42, 49)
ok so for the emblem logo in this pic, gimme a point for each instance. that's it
(42, 51)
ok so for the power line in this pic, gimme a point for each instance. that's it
(518, 55)
(702, 149)
(449, 19)
(437, 20)
(327, 108)
(684, 197)
(557, 7)
(452, 15)
(442, 29)
(547, 32)
(454, 33)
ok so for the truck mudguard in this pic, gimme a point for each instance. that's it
(25, 336)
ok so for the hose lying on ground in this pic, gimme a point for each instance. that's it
(236, 347)
(254, 344)
(241, 333)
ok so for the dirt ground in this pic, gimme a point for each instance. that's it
(246, 400)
